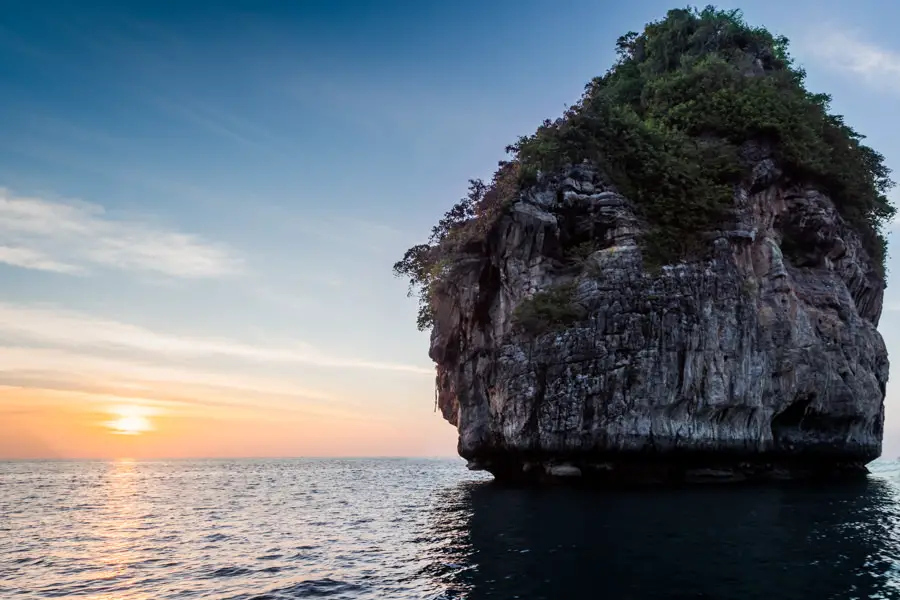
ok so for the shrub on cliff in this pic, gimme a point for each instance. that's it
(547, 310)
(665, 124)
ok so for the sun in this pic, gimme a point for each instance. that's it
(131, 420)
(130, 425)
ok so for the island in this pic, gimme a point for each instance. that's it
(679, 279)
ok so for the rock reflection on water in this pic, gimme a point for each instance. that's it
(836, 541)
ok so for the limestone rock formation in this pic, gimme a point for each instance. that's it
(679, 279)
(748, 363)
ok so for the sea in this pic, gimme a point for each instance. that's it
(430, 529)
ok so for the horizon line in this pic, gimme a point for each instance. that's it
(210, 458)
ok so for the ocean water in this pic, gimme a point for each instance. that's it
(429, 529)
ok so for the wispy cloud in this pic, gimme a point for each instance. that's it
(21, 324)
(84, 376)
(77, 237)
(184, 394)
(220, 123)
(849, 51)
(64, 369)
(32, 259)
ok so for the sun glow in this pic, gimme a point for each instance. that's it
(131, 420)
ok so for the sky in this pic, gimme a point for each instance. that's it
(200, 203)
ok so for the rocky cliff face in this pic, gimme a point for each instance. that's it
(760, 360)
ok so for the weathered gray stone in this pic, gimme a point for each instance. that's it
(753, 360)
(563, 471)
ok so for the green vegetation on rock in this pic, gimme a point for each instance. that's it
(547, 310)
(665, 124)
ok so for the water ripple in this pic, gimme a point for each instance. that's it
(407, 529)
(323, 588)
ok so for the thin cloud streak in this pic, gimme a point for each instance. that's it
(184, 402)
(849, 51)
(74, 330)
(219, 123)
(186, 390)
(76, 237)
(49, 368)
(27, 258)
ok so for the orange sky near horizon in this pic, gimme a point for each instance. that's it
(77, 425)
(71, 382)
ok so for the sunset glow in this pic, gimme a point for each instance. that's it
(181, 420)
(132, 420)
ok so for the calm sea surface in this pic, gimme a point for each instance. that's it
(398, 529)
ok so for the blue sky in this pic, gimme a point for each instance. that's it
(211, 199)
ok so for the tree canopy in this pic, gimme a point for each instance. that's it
(665, 123)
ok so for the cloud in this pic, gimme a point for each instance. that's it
(62, 369)
(850, 51)
(32, 259)
(85, 378)
(188, 392)
(219, 123)
(77, 237)
(69, 329)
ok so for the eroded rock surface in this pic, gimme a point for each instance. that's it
(760, 360)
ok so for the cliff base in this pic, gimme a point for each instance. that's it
(618, 470)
